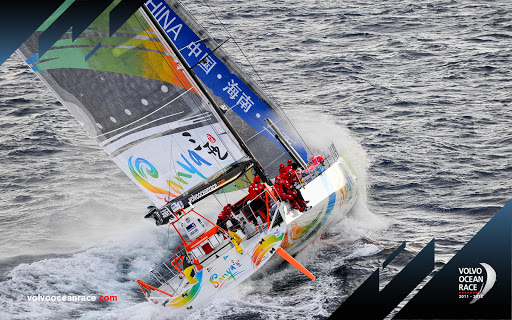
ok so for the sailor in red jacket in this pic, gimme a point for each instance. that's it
(296, 179)
(257, 196)
(256, 189)
(295, 174)
(290, 193)
(317, 162)
(280, 192)
(290, 188)
(289, 167)
(282, 168)
(320, 160)
(224, 216)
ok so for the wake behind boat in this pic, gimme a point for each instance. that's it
(184, 122)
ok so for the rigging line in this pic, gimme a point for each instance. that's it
(221, 94)
(215, 196)
(294, 128)
(125, 133)
(203, 60)
(162, 43)
(277, 158)
(248, 181)
(225, 198)
(257, 74)
(265, 128)
(224, 96)
(144, 117)
(263, 123)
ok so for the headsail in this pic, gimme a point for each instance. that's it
(246, 104)
(142, 107)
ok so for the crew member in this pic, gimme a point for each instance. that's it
(286, 176)
(296, 179)
(289, 167)
(317, 163)
(291, 190)
(320, 160)
(286, 191)
(296, 194)
(295, 174)
(282, 168)
(225, 215)
(256, 195)
(280, 191)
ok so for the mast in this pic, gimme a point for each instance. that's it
(259, 170)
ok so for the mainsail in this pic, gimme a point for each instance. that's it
(245, 103)
(130, 93)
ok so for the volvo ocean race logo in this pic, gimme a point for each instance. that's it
(474, 283)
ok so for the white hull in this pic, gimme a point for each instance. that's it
(331, 195)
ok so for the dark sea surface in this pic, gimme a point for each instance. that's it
(416, 95)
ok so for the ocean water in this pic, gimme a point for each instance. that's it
(416, 96)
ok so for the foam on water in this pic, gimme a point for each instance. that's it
(320, 130)
(107, 269)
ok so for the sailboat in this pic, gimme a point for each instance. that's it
(185, 123)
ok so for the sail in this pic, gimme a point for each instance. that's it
(245, 103)
(131, 95)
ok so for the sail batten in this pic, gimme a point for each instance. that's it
(144, 117)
